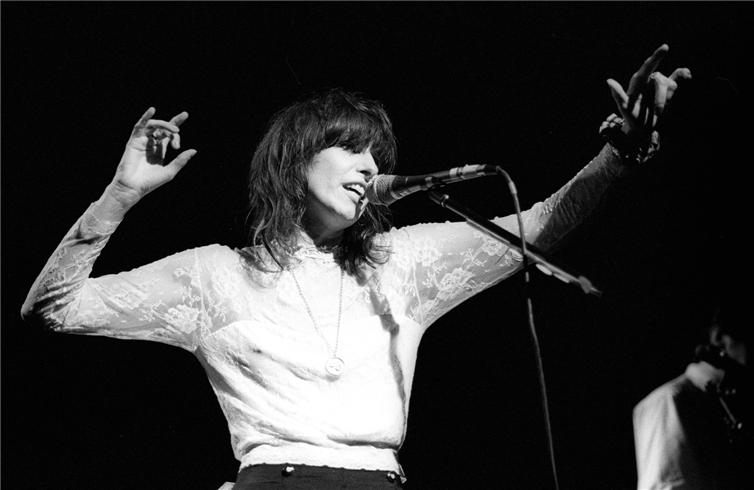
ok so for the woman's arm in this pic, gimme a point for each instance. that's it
(131, 304)
(438, 266)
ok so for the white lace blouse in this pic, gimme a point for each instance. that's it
(253, 335)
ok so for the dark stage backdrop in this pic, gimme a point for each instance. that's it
(517, 85)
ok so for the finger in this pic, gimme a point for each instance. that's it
(156, 124)
(677, 75)
(650, 65)
(647, 113)
(644, 112)
(180, 118)
(660, 93)
(642, 74)
(680, 74)
(142, 122)
(651, 117)
(146, 117)
(611, 120)
(180, 161)
(619, 96)
(672, 86)
(175, 141)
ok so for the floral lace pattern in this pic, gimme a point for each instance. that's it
(252, 334)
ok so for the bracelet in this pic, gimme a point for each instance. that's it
(629, 149)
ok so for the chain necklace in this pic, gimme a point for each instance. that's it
(334, 365)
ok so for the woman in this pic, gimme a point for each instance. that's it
(309, 335)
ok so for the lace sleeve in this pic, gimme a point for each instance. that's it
(161, 301)
(437, 266)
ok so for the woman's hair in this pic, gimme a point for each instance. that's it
(278, 176)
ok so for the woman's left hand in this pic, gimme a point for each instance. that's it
(648, 93)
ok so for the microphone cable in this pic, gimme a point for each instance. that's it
(532, 329)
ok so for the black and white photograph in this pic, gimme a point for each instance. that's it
(362, 245)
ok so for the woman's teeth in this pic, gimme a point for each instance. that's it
(356, 188)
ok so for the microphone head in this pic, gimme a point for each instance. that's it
(378, 190)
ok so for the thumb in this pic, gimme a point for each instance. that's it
(180, 161)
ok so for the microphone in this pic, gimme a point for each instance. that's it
(384, 190)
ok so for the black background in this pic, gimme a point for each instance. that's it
(516, 84)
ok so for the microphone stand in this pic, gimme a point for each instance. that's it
(531, 254)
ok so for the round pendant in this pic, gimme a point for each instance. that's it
(334, 366)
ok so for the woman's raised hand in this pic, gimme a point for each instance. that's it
(142, 167)
(648, 91)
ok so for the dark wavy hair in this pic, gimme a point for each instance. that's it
(278, 177)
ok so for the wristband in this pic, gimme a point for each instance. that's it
(631, 150)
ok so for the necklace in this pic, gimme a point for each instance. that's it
(334, 365)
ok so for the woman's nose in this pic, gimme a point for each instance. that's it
(367, 167)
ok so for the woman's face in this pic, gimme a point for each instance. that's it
(337, 180)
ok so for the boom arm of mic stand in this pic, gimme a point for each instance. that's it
(533, 255)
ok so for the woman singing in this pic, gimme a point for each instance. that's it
(309, 334)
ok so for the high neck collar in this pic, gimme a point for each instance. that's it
(308, 249)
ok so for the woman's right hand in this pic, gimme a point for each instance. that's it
(142, 167)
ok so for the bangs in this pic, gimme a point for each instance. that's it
(356, 124)
(356, 133)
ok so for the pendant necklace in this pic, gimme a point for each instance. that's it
(334, 365)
